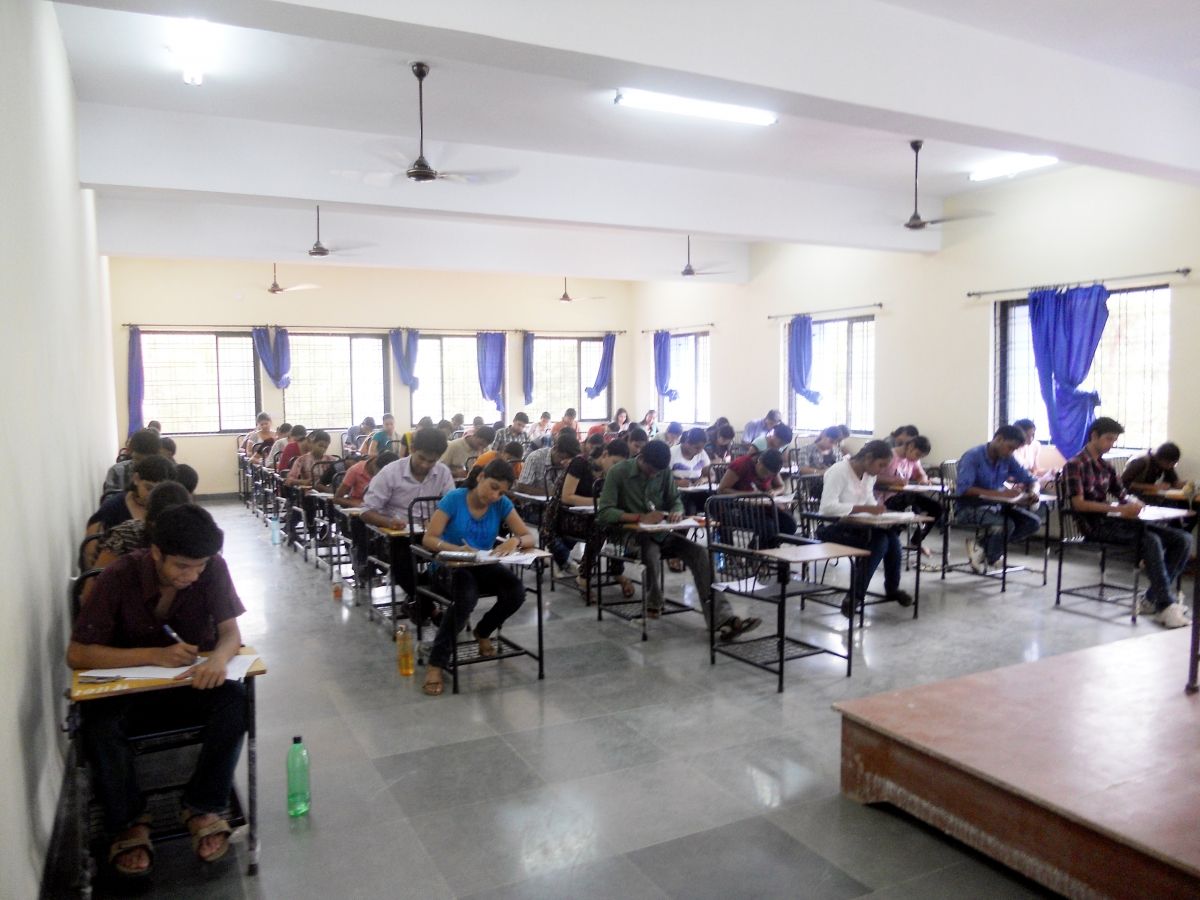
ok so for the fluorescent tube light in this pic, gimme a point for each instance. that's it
(192, 42)
(686, 106)
(1013, 164)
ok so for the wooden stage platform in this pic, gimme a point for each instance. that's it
(1080, 771)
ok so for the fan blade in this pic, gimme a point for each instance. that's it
(480, 176)
(960, 217)
(713, 272)
(299, 287)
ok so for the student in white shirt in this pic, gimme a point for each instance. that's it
(1027, 453)
(690, 464)
(848, 488)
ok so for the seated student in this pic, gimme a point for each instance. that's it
(262, 432)
(380, 440)
(822, 453)
(354, 483)
(567, 421)
(720, 447)
(983, 472)
(905, 468)
(561, 529)
(356, 434)
(168, 448)
(134, 534)
(756, 428)
(460, 450)
(849, 487)
(188, 477)
(1027, 454)
(179, 584)
(777, 438)
(1090, 481)
(469, 518)
(539, 431)
(1154, 472)
(132, 503)
(514, 433)
(539, 462)
(593, 445)
(642, 490)
(267, 452)
(297, 445)
(302, 471)
(759, 474)
(511, 453)
(649, 423)
(621, 417)
(476, 423)
(636, 439)
(155, 425)
(901, 436)
(142, 443)
(689, 466)
(673, 434)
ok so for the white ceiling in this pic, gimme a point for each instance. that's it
(313, 101)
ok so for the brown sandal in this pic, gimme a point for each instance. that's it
(433, 688)
(486, 648)
(626, 587)
(200, 832)
(121, 847)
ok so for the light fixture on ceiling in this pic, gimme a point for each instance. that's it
(687, 106)
(1013, 164)
(192, 42)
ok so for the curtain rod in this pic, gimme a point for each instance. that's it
(355, 329)
(681, 328)
(1184, 271)
(821, 312)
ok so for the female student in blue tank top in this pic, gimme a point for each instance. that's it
(469, 518)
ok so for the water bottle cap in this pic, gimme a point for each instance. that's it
(296, 739)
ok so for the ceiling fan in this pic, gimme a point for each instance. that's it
(318, 249)
(689, 270)
(276, 289)
(567, 298)
(915, 222)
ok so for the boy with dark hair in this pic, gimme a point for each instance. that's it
(511, 453)
(983, 473)
(1153, 472)
(1090, 482)
(673, 435)
(188, 477)
(358, 478)
(179, 586)
(514, 433)
(758, 473)
(460, 450)
(356, 433)
(776, 439)
(822, 453)
(568, 421)
(756, 428)
(142, 443)
(168, 448)
(720, 447)
(642, 490)
(533, 471)
(132, 503)
(636, 438)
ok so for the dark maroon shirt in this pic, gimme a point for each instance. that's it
(120, 610)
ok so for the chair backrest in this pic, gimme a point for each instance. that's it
(949, 473)
(716, 471)
(89, 549)
(1118, 461)
(737, 525)
(550, 480)
(808, 493)
(420, 511)
(323, 470)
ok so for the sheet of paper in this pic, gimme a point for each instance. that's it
(512, 559)
(235, 670)
(668, 526)
(884, 517)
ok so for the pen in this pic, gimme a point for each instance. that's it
(172, 635)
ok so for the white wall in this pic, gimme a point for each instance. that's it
(59, 379)
(199, 293)
(934, 345)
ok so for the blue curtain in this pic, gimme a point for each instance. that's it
(276, 357)
(137, 384)
(489, 348)
(800, 358)
(604, 373)
(1067, 325)
(662, 365)
(527, 362)
(404, 353)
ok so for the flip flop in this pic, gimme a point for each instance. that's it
(433, 688)
(200, 832)
(736, 627)
(627, 590)
(119, 848)
(486, 648)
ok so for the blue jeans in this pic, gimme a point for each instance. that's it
(884, 545)
(108, 723)
(1019, 523)
(1165, 551)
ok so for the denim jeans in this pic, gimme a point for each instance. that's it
(1020, 524)
(108, 723)
(1164, 549)
(884, 545)
(464, 585)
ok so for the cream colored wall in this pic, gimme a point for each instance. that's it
(933, 344)
(207, 293)
(53, 308)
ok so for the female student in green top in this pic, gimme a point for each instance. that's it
(469, 518)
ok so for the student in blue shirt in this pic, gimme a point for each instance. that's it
(983, 472)
(469, 518)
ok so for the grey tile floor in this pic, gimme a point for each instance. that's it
(633, 770)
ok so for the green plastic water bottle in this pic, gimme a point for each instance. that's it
(299, 796)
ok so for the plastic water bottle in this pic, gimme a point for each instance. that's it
(404, 652)
(276, 531)
(337, 586)
(299, 795)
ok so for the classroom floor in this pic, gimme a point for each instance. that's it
(634, 770)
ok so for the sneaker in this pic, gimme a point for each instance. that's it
(1174, 616)
(570, 570)
(904, 598)
(848, 605)
(977, 558)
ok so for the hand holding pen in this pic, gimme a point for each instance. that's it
(180, 653)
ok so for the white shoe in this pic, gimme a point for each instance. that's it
(1147, 607)
(977, 558)
(1174, 616)
(570, 570)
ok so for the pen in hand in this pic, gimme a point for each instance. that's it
(173, 635)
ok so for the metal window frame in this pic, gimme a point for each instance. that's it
(695, 336)
(350, 336)
(850, 323)
(442, 375)
(255, 364)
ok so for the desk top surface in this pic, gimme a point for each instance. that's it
(81, 691)
(806, 553)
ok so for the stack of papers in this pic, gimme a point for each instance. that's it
(884, 517)
(235, 670)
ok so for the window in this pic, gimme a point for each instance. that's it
(1130, 371)
(690, 377)
(337, 379)
(562, 369)
(199, 383)
(448, 372)
(843, 370)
